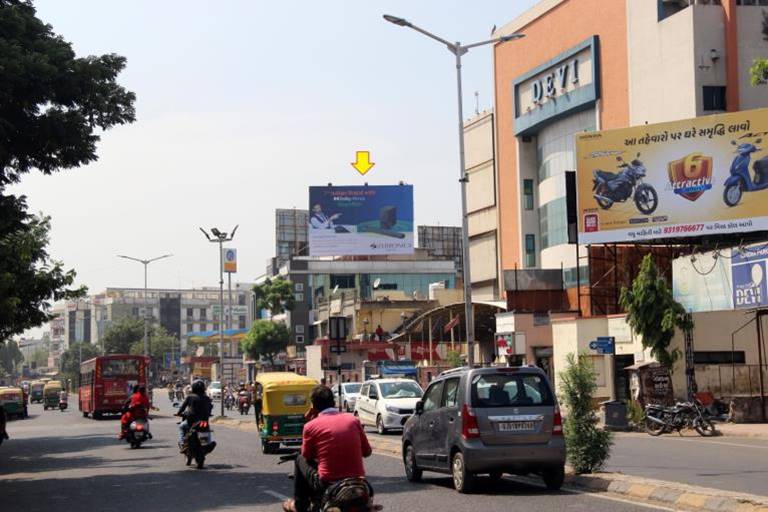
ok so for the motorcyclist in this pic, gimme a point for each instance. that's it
(322, 460)
(196, 407)
(3, 431)
(258, 402)
(136, 407)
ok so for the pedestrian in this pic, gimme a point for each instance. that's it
(379, 333)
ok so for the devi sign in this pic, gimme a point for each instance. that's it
(360, 220)
(748, 268)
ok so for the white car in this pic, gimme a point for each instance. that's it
(214, 390)
(387, 403)
(350, 392)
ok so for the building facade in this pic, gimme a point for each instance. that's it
(442, 242)
(639, 61)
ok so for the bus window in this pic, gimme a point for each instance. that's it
(119, 367)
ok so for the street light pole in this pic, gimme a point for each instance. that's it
(146, 264)
(219, 238)
(457, 49)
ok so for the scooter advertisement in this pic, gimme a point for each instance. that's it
(695, 177)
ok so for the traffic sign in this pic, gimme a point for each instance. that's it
(603, 345)
(338, 349)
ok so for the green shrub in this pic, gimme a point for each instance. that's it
(587, 446)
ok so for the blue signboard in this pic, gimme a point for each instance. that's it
(603, 345)
(361, 220)
(167, 359)
(748, 269)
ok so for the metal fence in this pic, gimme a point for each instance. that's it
(731, 380)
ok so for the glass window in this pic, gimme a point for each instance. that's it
(432, 397)
(451, 395)
(530, 251)
(190, 312)
(714, 97)
(510, 390)
(528, 194)
(299, 287)
(404, 389)
(294, 399)
(241, 299)
(343, 281)
(553, 222)
(351, 388)
(241, 322)
(119, 367)
(299, 329)
(364, 390)
(299, 339)
(299, 297)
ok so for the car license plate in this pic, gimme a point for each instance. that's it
(516, 426)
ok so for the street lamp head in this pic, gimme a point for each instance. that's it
(511, 37)
(401, 22)
(215, 232)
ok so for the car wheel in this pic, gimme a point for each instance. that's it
(554, 477)
(412, 471)
(463, 480)
(380, 428)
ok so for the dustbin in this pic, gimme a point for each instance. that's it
(615, 415)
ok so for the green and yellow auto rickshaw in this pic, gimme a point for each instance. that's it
(51, 394)
(285, 401)
(13, 402)
(36, 392)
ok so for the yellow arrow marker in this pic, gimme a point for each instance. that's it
(363, 162)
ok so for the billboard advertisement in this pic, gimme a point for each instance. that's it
(360, 220)
(748, 270)
(229, 260)
(696, 177)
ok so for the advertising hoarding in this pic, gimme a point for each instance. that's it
(229, 260)
(695, 177)
(748, 271)
(361, 220)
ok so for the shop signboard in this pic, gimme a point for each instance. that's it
(361, 220)
(748, 268)
(696, 177)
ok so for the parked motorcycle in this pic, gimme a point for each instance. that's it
(138, 433)
(198, 443)
(610, 187)
(243, 402)
(348, 495)
(740, 180)
(660, 419)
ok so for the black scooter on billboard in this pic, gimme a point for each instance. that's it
(617, 187)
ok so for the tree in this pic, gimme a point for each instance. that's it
(10, 356)
(587, 446)
(453, 358)
(119, 337)
(653, 313)
(51, 106)
(159, 343)
(267, 339)
(274, 295)
(40, 357)
(759, 71)
(70, 359)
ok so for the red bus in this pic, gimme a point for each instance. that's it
(106, 381)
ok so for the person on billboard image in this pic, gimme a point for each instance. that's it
(319, 220)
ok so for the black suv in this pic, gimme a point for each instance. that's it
(486, 421)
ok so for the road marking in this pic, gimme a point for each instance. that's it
(274, 494)
(723, 443)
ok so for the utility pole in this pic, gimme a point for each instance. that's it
(220, 237)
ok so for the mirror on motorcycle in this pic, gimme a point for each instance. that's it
(419, 407)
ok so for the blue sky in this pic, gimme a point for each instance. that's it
(244, 104)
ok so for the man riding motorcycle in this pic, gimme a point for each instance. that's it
(334, 445)
(135, 408)
(196, 407)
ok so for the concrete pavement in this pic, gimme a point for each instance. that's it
(60, 460)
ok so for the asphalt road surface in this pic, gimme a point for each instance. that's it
(727, 463)
(62, 461)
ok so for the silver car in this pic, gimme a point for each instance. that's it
(486, 421)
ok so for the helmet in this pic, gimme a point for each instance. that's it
(198, 387)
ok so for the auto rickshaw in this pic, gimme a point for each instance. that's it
(36, 392)
(12, 399)
(51, 395)
(286, 399)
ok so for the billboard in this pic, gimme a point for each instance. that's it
(229, 260)
(748, 271)
(702, 176)
(360, 220)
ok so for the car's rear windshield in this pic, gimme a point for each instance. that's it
(352, 388)
(510, 390)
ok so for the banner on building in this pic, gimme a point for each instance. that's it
(360, 220)
(695, 177)
(748, 270)
(229, 260)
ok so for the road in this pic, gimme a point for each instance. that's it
(726, 463)
(56, 461)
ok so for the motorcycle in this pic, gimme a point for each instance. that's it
(660, 419)
(610, 188)
(243, 402)
(229, 401)
(171, 394)
(138, 432)
(348, 495)
(198, 442)
(62, 403)
(3, 432)
(179, 395)
(740, 180)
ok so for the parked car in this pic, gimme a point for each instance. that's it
(350, 391)
(486, 421)
(214, 390)
(387, 403)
